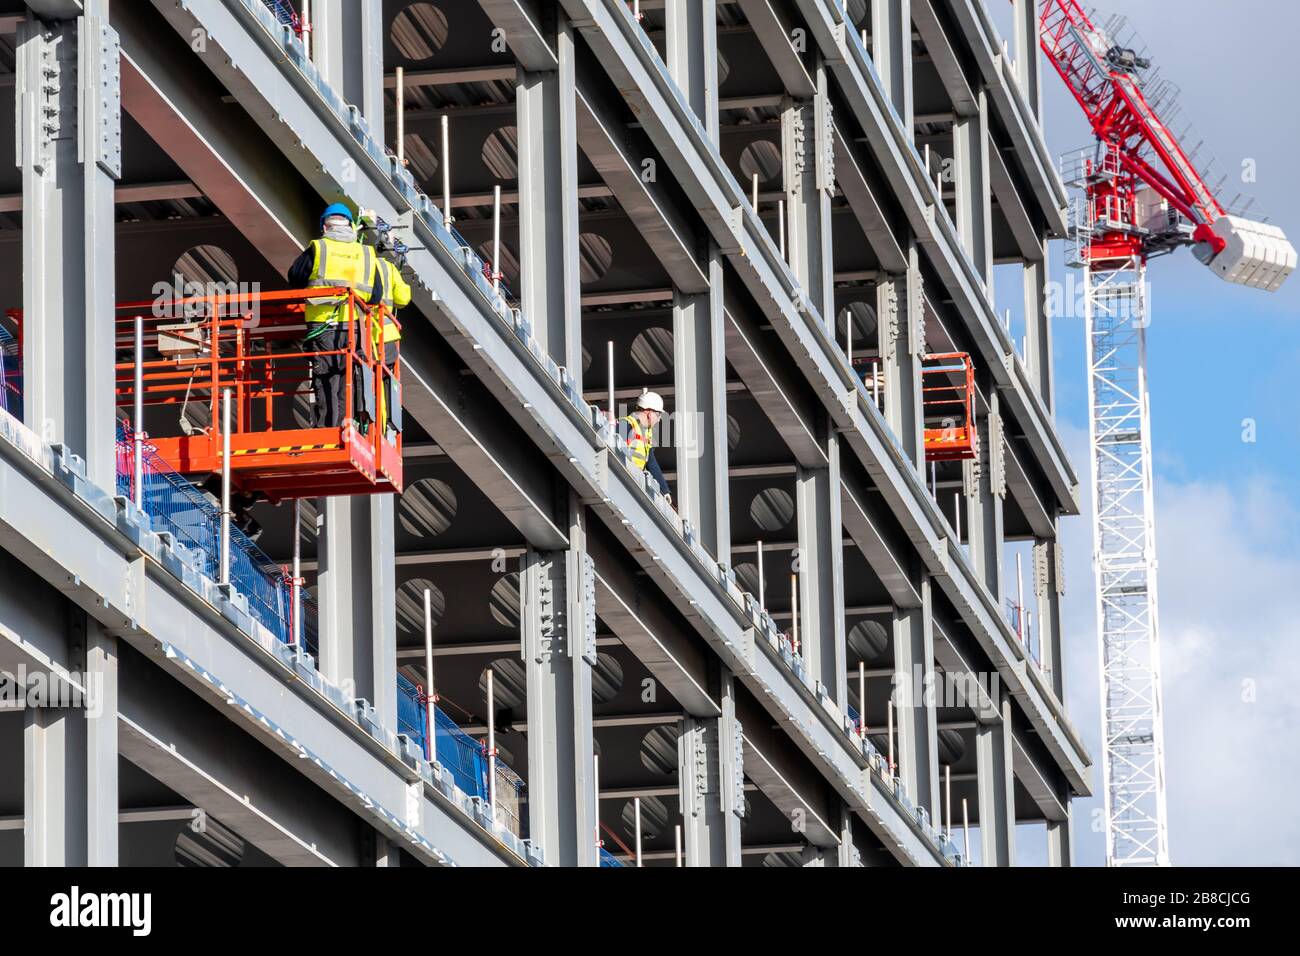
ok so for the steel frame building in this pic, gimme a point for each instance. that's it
(899, 157)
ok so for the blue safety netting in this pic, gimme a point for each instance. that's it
(608, 859)
(10, 394)
(178, 508)
(284, 12)
(456, 750)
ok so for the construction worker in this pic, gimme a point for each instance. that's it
(396, 295)
(337, 259)
(638, 430)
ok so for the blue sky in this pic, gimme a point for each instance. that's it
(1228, 527)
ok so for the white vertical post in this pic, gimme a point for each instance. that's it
(794, 612)
(956, 512)
(613, 412)
(762, 582)
(947, 801)
(891, 733)
(965, 832)
(225, 486)
(595, 777)
(636, 805)
(295, 602)
(306, 28)
(431, 705)
(875, 381)
(862, 700)
(780, 227)
(679, 845)
(1020, 602)
(446, 176)
(139, 412)
(401, 117)
(492, 748)
(496, 241)
(754, 200)
(848, 335)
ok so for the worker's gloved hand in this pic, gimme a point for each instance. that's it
(668, 497)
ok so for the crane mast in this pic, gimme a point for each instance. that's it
(1143, 196)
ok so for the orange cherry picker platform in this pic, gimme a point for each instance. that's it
(947, 399)
(251, 347)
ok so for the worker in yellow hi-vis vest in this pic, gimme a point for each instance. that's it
(337, 259)
(638, 430)
(396, 295)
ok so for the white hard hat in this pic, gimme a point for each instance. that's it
(651, 401)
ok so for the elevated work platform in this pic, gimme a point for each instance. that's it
(252, 345)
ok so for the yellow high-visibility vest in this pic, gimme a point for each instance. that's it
(639, 442)
(397, 295)
(336, 263)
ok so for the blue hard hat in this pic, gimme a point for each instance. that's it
(336, 209)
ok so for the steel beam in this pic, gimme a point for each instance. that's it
(189, 746)
(1032, 245)
(73, 546)
(944, 58)
(775, 34)
(616, 153)
(851, 178)
(521, 23)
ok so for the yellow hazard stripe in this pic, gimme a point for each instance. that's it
(285, 448)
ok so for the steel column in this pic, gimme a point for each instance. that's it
(819, 563)
(557, 617)
(1038, 331)
(358, 616)
(69, 148)
(995, 781)
(100, 651)
(1060, 842)
(914, 700)
(710, 764)
(1049, 587)
(808, 159)
(900, 308)
(985, 485)
(891, 49)
(692, 41)
(348, 50)
(699, 421)
(970, 137)
(1029, 68)
(548, 209)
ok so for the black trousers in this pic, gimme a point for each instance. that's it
(329, 376)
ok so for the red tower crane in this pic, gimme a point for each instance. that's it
(1143, 196)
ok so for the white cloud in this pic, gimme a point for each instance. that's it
(1229, 579)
